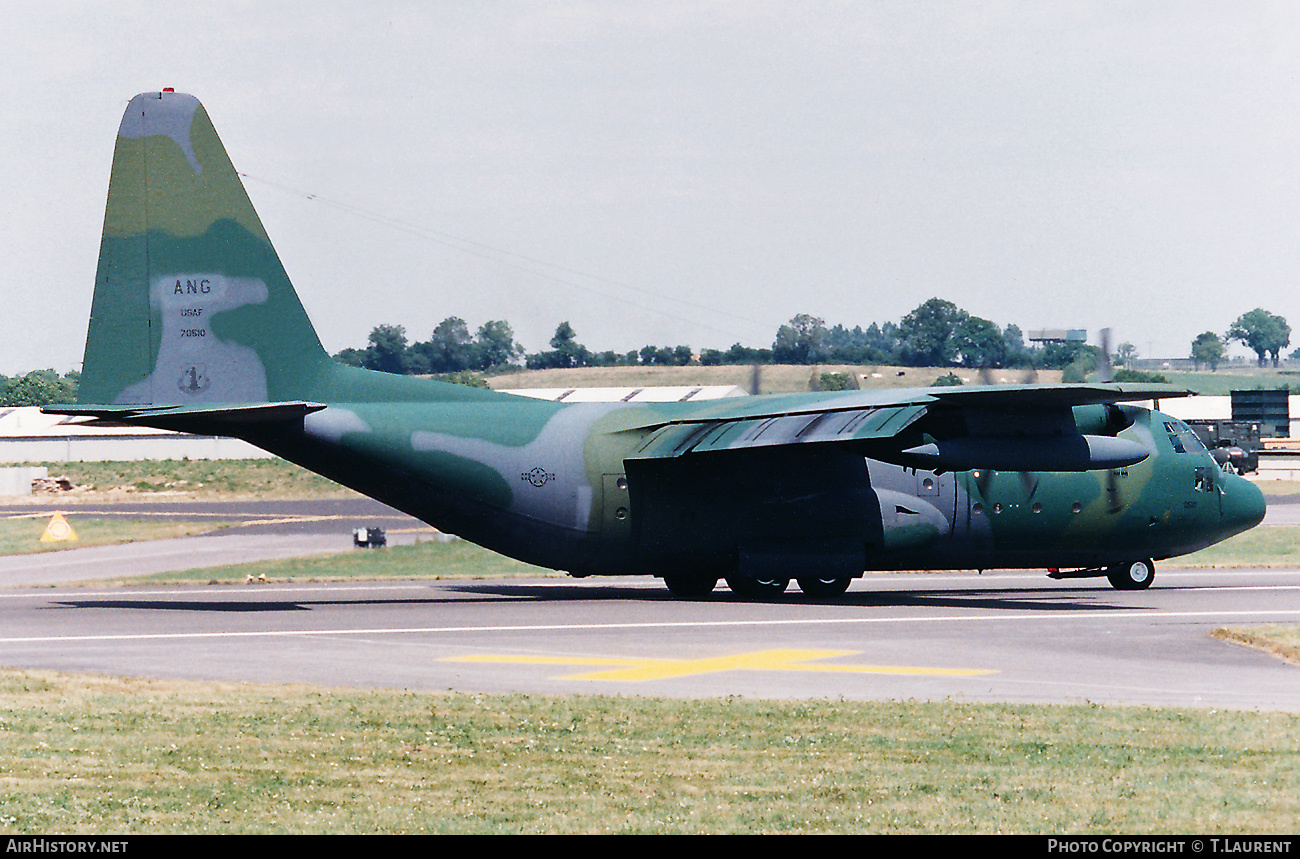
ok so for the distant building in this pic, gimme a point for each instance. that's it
(27, 435)
(1058, 335)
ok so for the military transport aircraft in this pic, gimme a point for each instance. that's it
(195, 327)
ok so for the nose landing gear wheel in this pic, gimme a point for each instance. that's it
(823, 588)
(1133, 576)
(757, 589)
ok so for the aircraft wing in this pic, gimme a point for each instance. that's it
(1020, 428)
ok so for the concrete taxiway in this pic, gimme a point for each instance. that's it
(1002, 636)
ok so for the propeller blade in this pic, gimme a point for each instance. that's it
(1105, 372)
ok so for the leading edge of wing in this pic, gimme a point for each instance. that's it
(1018, 397)
(1055, 396)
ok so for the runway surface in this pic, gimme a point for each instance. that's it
(1004, 636)
(998, 637)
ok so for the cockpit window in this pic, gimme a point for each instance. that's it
(1182, 438)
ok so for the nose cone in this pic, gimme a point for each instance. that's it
(1242, 505)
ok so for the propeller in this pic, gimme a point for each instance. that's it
(755, 379)
(984, 478)
(1105, 371)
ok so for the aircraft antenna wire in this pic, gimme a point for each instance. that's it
(494, 254)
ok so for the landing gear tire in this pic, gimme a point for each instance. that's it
(690, 587)
(1133, 576)
(757, 589)
(823, 588)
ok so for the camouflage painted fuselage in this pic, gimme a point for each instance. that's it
(560, 486)
(195, 327)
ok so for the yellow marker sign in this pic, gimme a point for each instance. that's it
(632, 669)
(58, 530)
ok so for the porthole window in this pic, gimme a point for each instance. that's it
(997, 508)
(1038, 507)
(1076, 507)
(977, 507)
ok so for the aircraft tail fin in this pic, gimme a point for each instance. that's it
(192, 305)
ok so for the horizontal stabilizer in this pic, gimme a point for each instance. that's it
(216, 419)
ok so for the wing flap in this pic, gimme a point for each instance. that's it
(826, 427)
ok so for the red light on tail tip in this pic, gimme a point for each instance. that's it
(169, 89)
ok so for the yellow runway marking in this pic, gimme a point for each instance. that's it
(630, 669)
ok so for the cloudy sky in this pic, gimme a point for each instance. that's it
(686, 172)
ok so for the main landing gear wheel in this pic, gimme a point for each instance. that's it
(1133, 576)
(691, 587)
(757, 589)
(823, 588)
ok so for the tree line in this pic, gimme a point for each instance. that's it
(937, 333)
(38, 388)
(1264, 333)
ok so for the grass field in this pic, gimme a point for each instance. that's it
(22, 535)
(427, 559)
(1274, 489)
(1261, 546)
(1281, 640)
(1235, 378)
(178, 479)
(104, 755)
